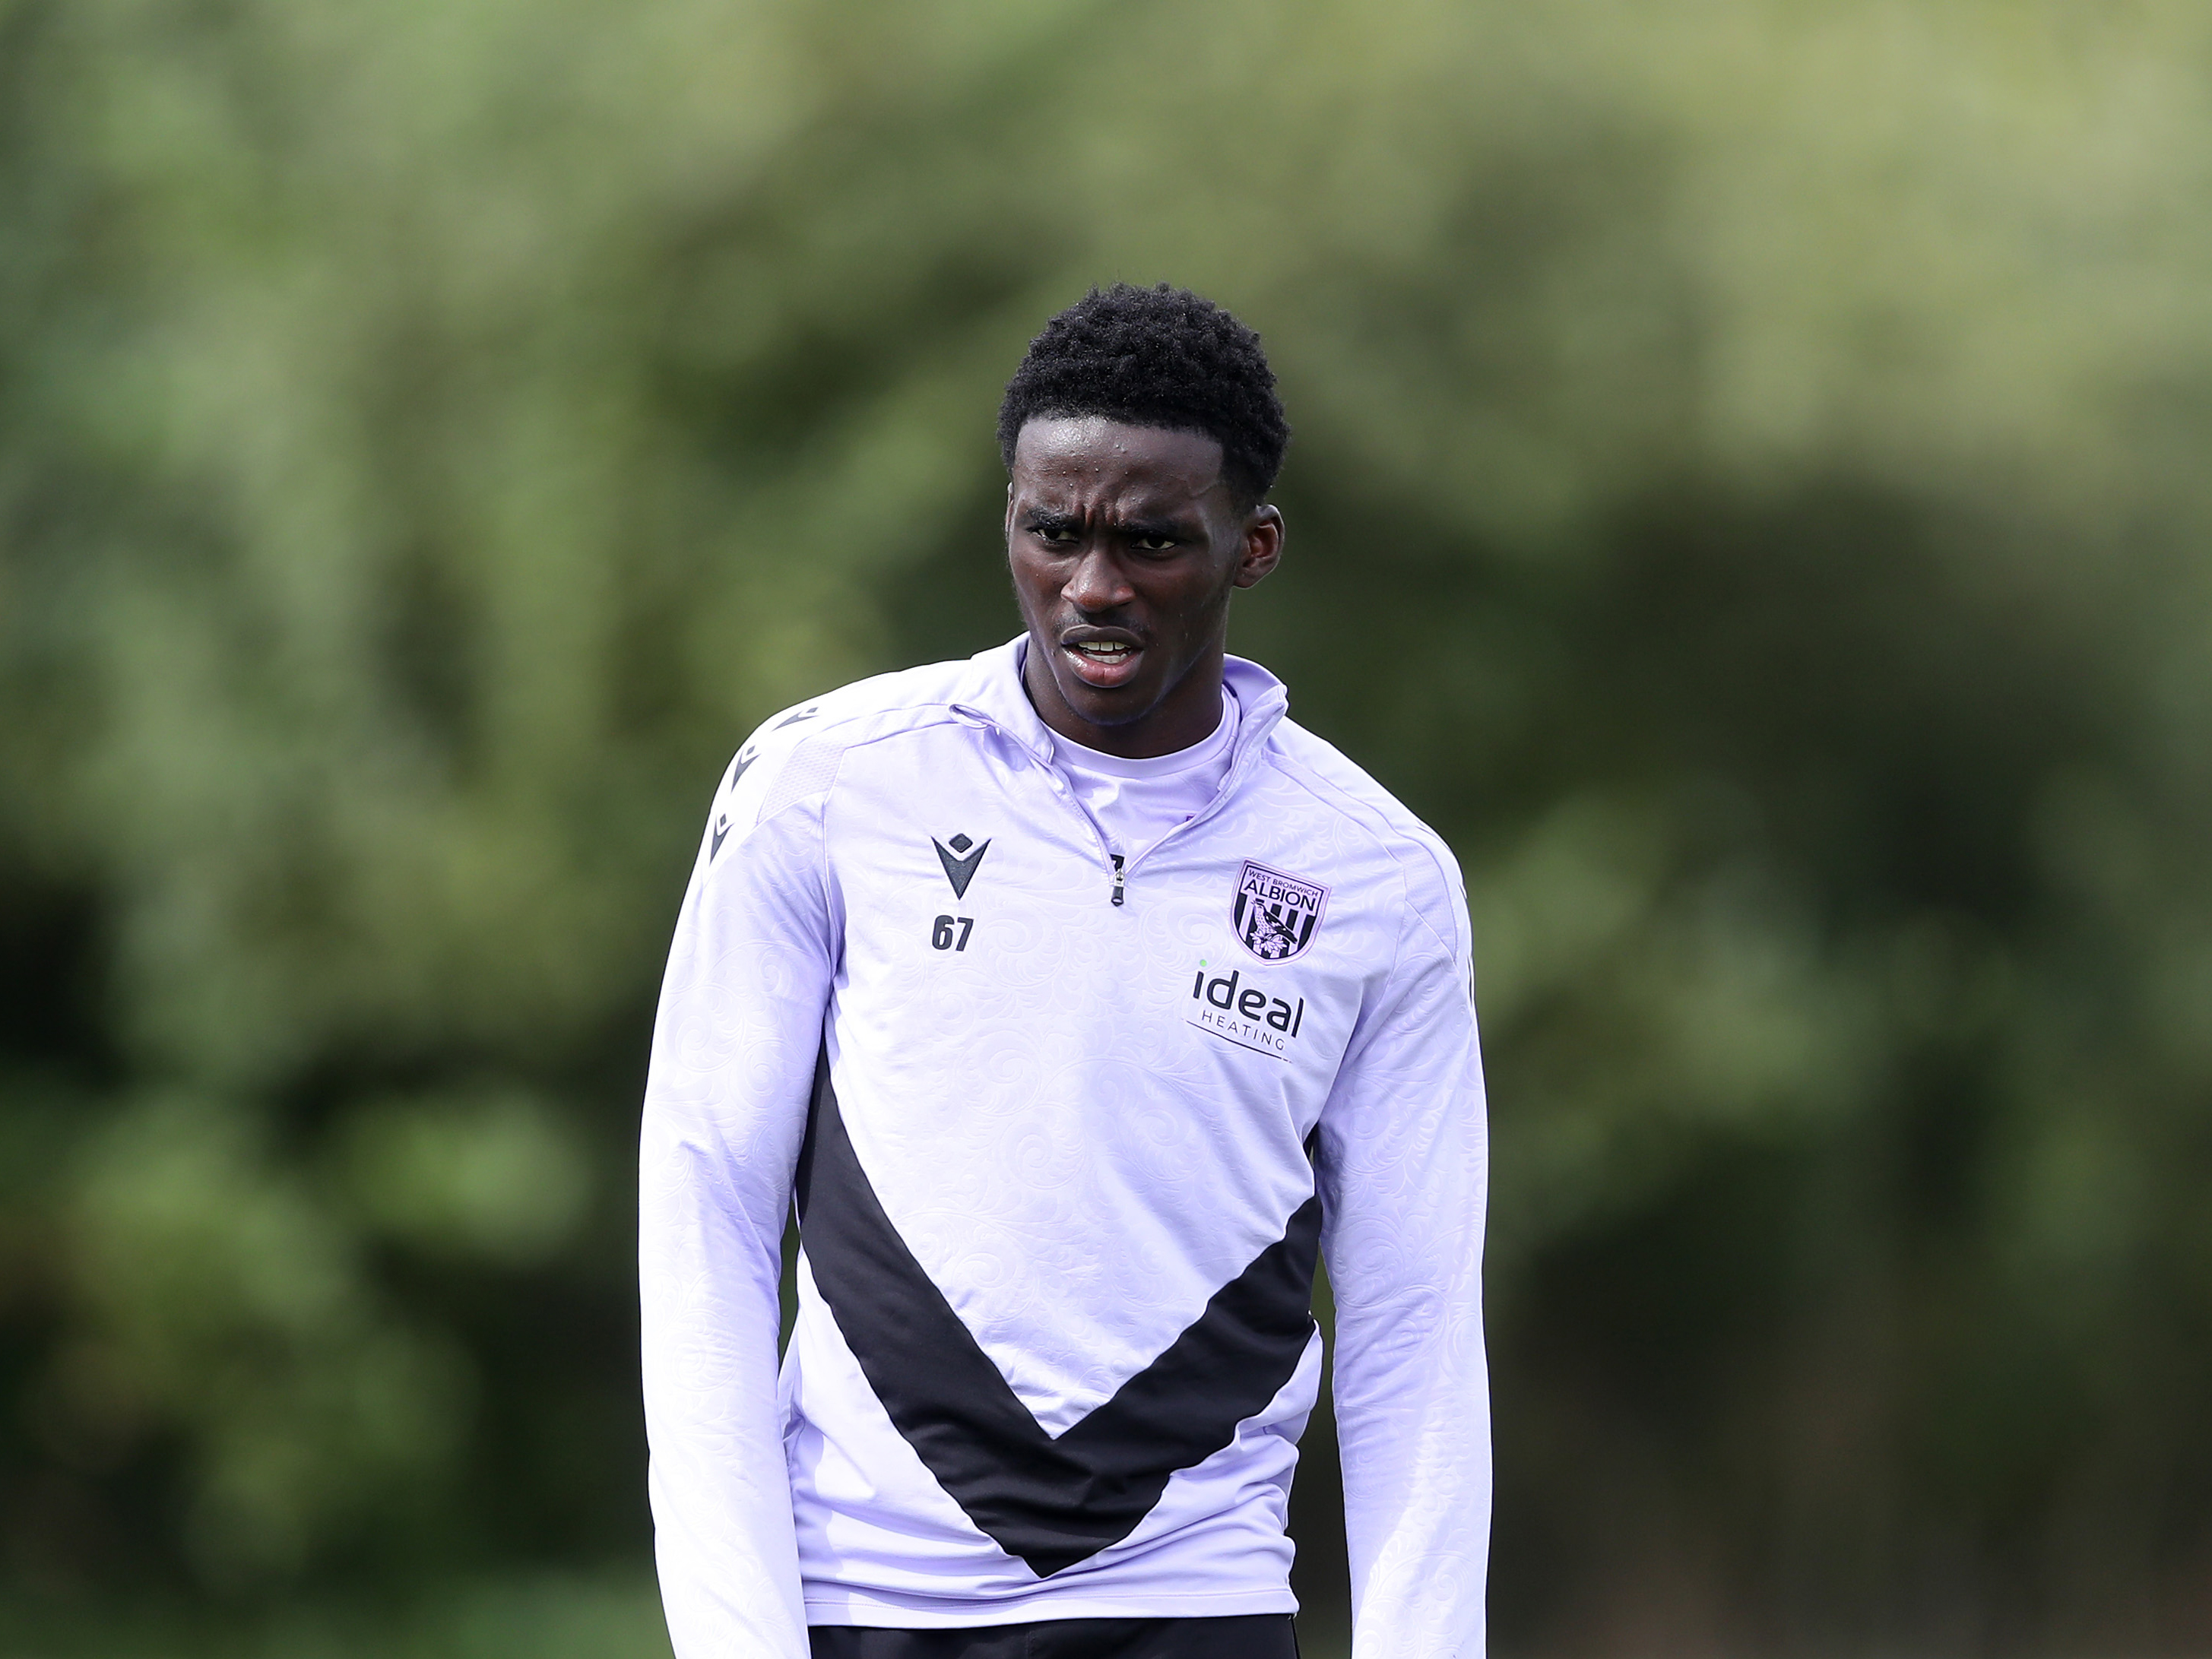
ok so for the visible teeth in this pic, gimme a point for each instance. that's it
(1103, 649)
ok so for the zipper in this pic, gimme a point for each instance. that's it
(1061, 788)
(1237, 767)
(1242, 763)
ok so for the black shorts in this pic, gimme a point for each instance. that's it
(1255, 1636)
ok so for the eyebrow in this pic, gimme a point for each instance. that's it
(1051, 520)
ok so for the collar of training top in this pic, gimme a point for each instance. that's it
(991, 692)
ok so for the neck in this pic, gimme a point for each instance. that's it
(1187, 714)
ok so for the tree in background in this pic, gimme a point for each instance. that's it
(1749, 495)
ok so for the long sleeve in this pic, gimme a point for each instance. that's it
(734, 1054)
(1404, 1165)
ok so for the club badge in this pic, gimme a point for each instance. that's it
(1276, 915)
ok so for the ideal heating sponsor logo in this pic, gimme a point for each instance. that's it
(1231, 1006)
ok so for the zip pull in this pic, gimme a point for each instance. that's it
(1118, 882)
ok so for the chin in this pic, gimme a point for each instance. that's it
(1101, 705)
(1108, 707)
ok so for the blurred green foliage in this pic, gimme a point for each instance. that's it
(545, 1617)
(1749, 494)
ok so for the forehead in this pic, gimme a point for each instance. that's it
(1095, 458)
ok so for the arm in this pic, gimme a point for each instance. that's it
(733, 1053)
(1404, 1168)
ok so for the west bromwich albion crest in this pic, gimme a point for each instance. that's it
(1276, 914)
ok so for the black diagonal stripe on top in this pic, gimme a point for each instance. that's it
(1052, 1503)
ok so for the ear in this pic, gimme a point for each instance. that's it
(1263, 544)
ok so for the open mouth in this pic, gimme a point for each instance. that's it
(1102, 662)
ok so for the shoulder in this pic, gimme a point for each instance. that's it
(1435, 891)
(795, 754)
(853, 714)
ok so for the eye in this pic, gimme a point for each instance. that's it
(1056, 535)
(1156, 544)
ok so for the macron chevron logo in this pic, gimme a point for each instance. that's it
(959, 871)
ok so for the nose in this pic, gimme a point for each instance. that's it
(1096, 583)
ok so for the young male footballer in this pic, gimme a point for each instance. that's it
(1077, 998)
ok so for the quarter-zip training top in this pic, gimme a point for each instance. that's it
(1066, 1128)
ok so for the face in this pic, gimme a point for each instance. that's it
(1125, 545)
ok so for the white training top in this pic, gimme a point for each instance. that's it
(1137, 801)
(1064, 1138)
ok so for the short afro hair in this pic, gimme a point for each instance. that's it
(1156, 356)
